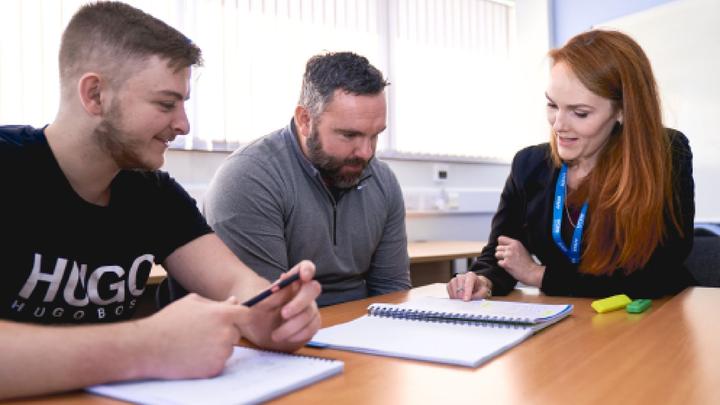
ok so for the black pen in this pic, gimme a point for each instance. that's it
(282, 284)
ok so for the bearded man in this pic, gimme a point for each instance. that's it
(314, 189)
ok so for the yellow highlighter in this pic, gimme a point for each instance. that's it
(613, 303)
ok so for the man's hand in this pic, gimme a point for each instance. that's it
(191, 338)
(289, 318)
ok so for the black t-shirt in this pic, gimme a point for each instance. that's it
(64, 260)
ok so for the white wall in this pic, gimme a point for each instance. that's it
(459, 208)
(476, 185)
(572, 17)
(682, 40)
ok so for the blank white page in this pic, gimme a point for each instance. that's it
(250, 376)
(453, 343)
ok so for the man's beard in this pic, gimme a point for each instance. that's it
(330, 167)
(115, 142)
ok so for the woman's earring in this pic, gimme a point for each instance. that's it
(617, 127)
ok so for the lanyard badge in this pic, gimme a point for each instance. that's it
(573, 253)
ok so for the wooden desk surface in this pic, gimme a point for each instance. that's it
(419, 252)
(441, 250)
(670, 354)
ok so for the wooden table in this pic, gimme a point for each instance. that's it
(668, 355)
(442, 252)
(433, 261)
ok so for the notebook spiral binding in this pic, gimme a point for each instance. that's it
(448, 317)
(305, 356)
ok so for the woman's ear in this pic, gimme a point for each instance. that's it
(620, 117)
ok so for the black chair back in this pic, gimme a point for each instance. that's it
(704, 260)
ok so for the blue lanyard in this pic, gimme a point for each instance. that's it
(573, 253)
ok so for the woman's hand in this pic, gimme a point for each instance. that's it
(515, 259)
(467, 286)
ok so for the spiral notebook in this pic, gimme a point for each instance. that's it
(251, 376)
(441, 330)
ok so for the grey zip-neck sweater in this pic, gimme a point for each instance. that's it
(271, 207)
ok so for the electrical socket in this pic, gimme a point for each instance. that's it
(441, 173)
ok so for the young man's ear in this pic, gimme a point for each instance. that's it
(302, 121)
(90, 88)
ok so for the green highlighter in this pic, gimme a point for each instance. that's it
(638, 306)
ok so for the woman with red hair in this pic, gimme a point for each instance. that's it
(607, 206)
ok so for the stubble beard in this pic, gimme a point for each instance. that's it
(115, 142)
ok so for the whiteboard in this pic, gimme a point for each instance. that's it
(682, 40)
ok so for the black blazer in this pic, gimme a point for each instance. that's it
(525, 214)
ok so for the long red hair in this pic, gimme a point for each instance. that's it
(629, 191)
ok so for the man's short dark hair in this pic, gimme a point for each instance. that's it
(346, 71)
(103, 36)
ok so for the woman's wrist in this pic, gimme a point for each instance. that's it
(485, 282)
(539, 273)
(488, 283)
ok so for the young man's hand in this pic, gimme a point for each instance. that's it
(191, 338)
(289, 318)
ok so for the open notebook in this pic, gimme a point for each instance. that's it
(441, 330)
(250, 376)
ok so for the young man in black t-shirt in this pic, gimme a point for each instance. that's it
(85, 214)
